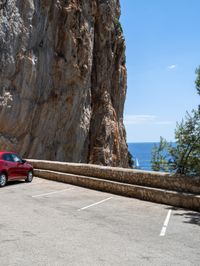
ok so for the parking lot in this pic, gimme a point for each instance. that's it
(55, 224)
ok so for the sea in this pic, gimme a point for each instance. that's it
(141, 153)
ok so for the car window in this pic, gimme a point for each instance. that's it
(16, 158)
(7, 157)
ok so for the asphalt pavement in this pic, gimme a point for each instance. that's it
(46, 223)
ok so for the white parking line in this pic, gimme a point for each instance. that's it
(164, 228)
(52, 192)
(99, 202)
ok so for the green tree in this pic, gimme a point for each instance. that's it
(187, 152)
(197, 81)
(160, 156)
(184, 158)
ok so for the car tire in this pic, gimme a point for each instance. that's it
(3, 179)
(29, 177)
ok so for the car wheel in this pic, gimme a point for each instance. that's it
(3, 180)
(29, 176)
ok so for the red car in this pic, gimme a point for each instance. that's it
(13, 167)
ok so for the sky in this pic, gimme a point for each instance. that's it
(162, 52)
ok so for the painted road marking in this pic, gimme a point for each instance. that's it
(52, 192)
(99, 202)
(164, 228)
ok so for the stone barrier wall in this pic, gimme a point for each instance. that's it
(129, 176)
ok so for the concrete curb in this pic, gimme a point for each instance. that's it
(177, 199)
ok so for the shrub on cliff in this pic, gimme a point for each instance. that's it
(130, 160)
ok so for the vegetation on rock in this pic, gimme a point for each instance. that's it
(130, 160)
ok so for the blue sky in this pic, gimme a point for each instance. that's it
(162, 53)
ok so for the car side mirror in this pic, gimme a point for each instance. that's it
(23, 161)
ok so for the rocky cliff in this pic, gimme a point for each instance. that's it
(63, 80)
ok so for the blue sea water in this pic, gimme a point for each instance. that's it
(142, 152)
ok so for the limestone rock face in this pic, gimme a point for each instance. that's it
(63, 80)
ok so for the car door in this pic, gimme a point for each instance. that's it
(20, 169)
(10, 166)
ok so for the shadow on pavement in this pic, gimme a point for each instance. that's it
(190, 217)
(11, 183)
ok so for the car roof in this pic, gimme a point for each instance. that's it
(6, 152)
(3, 152)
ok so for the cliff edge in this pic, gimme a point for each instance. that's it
(63, 80)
